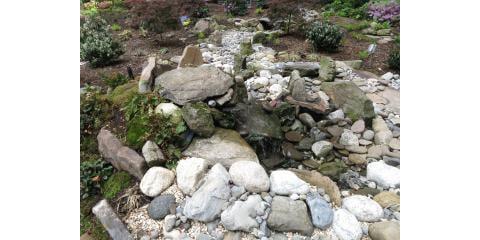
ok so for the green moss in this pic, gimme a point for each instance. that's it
(94, 112)
(115, 184)
(121, 94)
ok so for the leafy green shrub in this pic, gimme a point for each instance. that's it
(115, 184)
(236, 7)
(92, 175)
(144, 124)
(114, 80)
(94, 112)
(380, 25)
(201, 35)
(201, 12)
(324, 35)
(96, 43)
(349, 8)
(258, 11)
(116, 27)
(363, 54)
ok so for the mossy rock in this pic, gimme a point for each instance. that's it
(199, 118)
(116, 184)
(260, 37)
(138, 129)
(121, 94)
(333, 169)
(224, 120)
(246, 48)
(286, 113)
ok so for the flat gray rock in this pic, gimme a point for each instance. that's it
(288, 215)
(193, 84)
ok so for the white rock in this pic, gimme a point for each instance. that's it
(265, 74)
(338, 114)
(346, 226)
(387, 76)
(241, 215)
(261, 80)
(250, 175)
(384, 175)
(170, 110)
(364, 208)
(348, 138)
(276, 90)
(156, 180)
(189, 173)
(284, 182)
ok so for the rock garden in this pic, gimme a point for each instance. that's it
(240, 120)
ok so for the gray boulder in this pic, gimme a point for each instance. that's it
(322, 148)
(327, 69)
(288, 215)
(121, 157)
(193, 84)
(351, 99)
(306, 69)
(384, 231)
(146, 78)
(207, 202)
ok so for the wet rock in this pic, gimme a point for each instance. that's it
(241, 215)
(322, 148)
(207, 202)
(250, 175)
(225, 147)
(161, 206)
(222, 119)
(351, 99)
(346, 226)
(284, 210)
(110, 221)
(198, 118)
(307, 119)
(293, 136)
(152, 154)
(289, 151)
(122, 158)
(193, 84)
(305, 144)
(189, 173)
(285, 182)
(320, 210)
(384, 231)
(383, 174)
(156, 180)
(191, 57)
(364, 208)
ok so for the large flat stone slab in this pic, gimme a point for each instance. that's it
(193, 84)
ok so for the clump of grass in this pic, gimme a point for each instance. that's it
(116, 27)
(360, 37)
(363, 54)
(356, 26)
